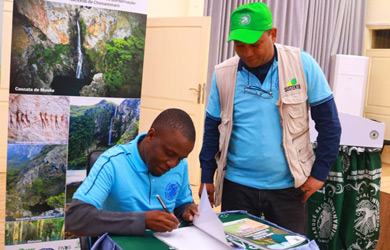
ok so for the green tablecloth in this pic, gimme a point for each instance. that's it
(150, 242)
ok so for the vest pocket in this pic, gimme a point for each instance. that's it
(306, 157)
(296, 117)
(295, 112)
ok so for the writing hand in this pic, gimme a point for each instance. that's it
(210, 191)
(310, 186)
(161, 221)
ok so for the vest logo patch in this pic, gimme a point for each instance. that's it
(291, 85)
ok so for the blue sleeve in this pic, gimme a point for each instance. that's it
(318, 89)
(328, 126)
(214, 104)
(210, 148)
(185, 194)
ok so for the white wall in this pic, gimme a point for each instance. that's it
(175, 8)
(378, 12)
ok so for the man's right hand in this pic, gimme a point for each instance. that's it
(210, 192)
(160, 221)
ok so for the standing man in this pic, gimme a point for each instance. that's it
(257, 125)
(119, 194)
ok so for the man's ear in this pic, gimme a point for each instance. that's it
(274, 32)
(151, 133)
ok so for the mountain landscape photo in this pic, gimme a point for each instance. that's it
(100, 126)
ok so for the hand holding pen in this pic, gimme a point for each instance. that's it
(161, 221)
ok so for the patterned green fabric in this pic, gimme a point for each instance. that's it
(344, 214)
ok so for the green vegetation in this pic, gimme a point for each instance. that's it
(80, 138)
(121, 64)
(129, 134)
(49, 56)
(56, 201)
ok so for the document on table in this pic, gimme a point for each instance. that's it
(206, 233)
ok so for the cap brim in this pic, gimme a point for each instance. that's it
(245, 36)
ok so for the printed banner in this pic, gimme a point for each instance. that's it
(344, 213)
(75, 86)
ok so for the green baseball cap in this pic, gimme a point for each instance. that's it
(249, 21)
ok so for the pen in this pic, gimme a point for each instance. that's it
(162, 203)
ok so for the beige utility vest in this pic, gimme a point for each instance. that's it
(293, 110)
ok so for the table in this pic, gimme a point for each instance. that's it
(150, 242)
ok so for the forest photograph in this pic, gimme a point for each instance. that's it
(22, 232)
(65, 49)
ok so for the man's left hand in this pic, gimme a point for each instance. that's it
(310, 187)
(192, 210)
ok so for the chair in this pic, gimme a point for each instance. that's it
(86, 242)
(92, 157)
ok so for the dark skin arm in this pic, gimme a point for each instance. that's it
(310, 186)
(192, 210)
(161, 221)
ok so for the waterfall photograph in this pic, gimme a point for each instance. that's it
(73, 50)
(99, 123)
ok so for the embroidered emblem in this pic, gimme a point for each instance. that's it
(244, 19)
(292, 82)
(171, 191)
(291, 85)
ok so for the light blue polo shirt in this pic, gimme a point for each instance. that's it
(120, 181)
(255, 155)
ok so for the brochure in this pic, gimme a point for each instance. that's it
(260, 235)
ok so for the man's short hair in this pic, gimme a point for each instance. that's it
(175, 119)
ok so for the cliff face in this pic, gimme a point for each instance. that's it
(48, 165)
(41, 178)
(57, 22)
(46, 37)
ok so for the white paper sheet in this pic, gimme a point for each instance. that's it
(206, 234)
(208, 221)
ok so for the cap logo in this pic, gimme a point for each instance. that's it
(245, 19)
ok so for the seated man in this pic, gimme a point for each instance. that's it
(119, 194)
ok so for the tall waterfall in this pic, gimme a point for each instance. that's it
(79, 73)
(110, 132)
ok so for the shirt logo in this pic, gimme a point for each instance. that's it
(171, 191)
(244, 19)
(291, 85)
